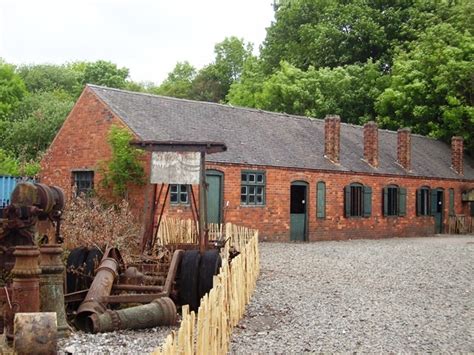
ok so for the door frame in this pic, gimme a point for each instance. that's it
(306, 222)
(441, 226)
(220, 174)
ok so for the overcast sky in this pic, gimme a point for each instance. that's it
(146, 36)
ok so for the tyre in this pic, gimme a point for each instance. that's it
(92, 262)
(74, 279)
(75, 260)
(189, 279)
(211, 262)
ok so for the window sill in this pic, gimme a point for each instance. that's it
(250, 206)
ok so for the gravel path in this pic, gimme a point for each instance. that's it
(392, 295)
(120, 342)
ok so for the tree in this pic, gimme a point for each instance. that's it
(209, 85)
(330, 33)
(179, 81)
(50, 77)
(231, 55)
(213, 81)
(12, 90)
(102, 72)
(431, 88)
(246, 91)
(36, 122)
(349, 91)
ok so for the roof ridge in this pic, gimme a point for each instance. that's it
(207, 103)
(251, 109)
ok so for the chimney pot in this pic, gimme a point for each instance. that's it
(457, 154)
(332, 134)
(404, 148)
(371, 143)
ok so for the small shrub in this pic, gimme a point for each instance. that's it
(124, 167)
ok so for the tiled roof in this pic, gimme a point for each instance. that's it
(266, 138)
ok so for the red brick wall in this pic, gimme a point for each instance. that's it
(273, 219)
(82, 143)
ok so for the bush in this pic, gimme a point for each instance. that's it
(88, 222)
(124, 167)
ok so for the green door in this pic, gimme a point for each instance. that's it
(214, 196)
(437, 208)
(298, 211)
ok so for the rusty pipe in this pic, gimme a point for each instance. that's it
(101, 286)
(160, 312)
(138, 288)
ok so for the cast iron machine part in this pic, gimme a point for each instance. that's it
(35, 209)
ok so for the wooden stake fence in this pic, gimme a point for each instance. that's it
(223, 307)
(460, 224)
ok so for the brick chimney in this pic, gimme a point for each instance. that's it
(371, 144)
(457, 151)
(332, 137)
(404, 148)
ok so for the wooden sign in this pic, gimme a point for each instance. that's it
(175, 168)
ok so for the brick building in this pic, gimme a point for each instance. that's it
(293, 178)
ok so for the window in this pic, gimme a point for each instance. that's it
(423, 201)
(83, 182)
(357, 200)
(394, 201)
(321, 199)
(252, 189)
(179, 194)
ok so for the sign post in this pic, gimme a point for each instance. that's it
(182, 163)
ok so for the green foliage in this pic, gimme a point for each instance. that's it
(50, 77)
(179, 82)
(8, 164)
(12, 89)
(35, 123)
(247, 90)
(349, 91)
(101, 72)
(30, 169)
(431, 87)
(332, 33)
(213, 82)
(124, 167)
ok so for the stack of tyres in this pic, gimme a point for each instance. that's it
(196, 276)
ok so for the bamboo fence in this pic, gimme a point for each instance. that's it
(176, 231)
(223, 307)
(460, 224)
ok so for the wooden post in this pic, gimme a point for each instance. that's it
(203, 237)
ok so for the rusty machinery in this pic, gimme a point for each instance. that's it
(160, 277)
(32, 295)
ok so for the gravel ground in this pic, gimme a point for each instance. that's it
(121, 342)
(392, 295)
